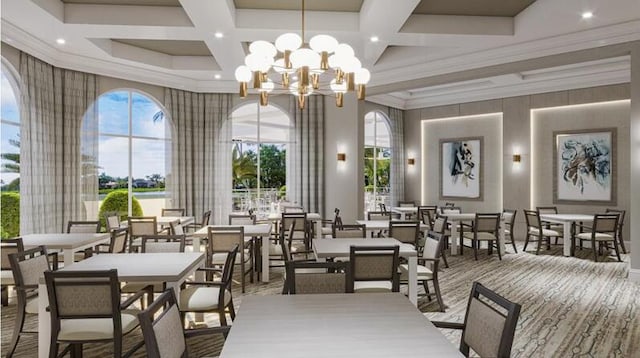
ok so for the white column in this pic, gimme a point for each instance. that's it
(633, 217)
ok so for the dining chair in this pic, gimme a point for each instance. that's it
(374, 268)
(302, 230)
(206, 216)
(327, 225)
(351, 231)
(383, 208)
(242, 219)
(288, 256)
(620, 226)
(178, 212)
(449, 204)
(485, 228)
(535, 229)
(7, 247)
(85, 308)
(406, 232)
(559, 228)
(378, 216)
(489, 324)
(427, 213)
(112, 220)
(407, 204)
(140, 226)
(508, 230)
(440, 227)
(604, 230)
(293, 209)
(211, 296)
(428, 266)
(317, 277)
(162, 329)
(119, 239)
(82, 227)
(27, 267)
(221, 240)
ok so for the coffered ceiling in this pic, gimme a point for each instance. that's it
(427, 52)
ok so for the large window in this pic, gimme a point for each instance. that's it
(377, 160)
(10, 155)
(134, 137)
(259, 156)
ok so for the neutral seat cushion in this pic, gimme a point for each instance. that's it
(32, 306)
(424, 273)
(482, 236)
(599, 236)
(202, 298)
(545, 232)
(326, 231)
(220, 258)
(372, 286)
(95, 328)
(6, 277)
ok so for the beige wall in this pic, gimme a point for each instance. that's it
(516, 121)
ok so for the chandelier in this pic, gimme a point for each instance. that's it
(323, 66)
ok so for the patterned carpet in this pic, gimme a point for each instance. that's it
(571, 307)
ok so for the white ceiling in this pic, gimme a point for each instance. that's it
(421, 59)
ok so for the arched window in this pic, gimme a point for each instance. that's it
(134, 137)
(10, 150)
(377, 160)
(260, 137)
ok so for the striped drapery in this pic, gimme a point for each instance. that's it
(57, 176)
(305, 183)
(201, 152)
(396, 120)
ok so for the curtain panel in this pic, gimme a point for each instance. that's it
(396, 123)
(305, 185)
(201, 152)
(56, 175)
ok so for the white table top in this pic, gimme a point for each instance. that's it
(148, 267)
(383, 224)
(405, 209)
(459, 216)
(566, 217)
(334, 325)
(310, 216)
(341, 247)
(62, 240)
(249, 230)
(166, 220)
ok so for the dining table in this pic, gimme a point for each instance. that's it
(567, 221)
(457, 218)
(404, 210)
(68, 243)
(334, 325)
(315, 217)
(377, 225)
(171, 268)
(328, 247)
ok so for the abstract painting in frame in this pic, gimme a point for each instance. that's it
(461, 162)
(585, 167)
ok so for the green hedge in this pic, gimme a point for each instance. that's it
(10, 215)
(118, 201)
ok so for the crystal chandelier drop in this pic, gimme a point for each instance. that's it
(324, 66)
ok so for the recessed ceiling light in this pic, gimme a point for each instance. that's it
(218, 35)
(217, 76)
(295, 78)
(587, 15)
(374, 39)
(61, 41)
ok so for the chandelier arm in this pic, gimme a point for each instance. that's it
(303, 22)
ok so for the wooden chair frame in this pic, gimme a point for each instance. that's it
(331, 267)
(374, 251)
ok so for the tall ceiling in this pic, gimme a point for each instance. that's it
(428, 52)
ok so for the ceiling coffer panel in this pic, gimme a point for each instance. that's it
(311, 5)
(175, 3)
(507, 8)
(170, 47)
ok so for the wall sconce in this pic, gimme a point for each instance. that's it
(342, 157)
(517, 158)
(411, 161)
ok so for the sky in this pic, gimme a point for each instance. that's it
(10, 112)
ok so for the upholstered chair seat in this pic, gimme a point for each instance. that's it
(88, 329)
(481, 236)
(545, 232)
(202, 298)
(600, 236)
(424, 273)
(372, 286)
(32, 306)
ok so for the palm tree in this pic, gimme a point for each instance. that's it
(244, 168)
(13, 158)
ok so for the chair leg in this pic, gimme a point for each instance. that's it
(621, 239)
(444, 257)
(436, 287)
(615, 247)
(489, 247)
(76, 351)
(540, 239)
(426, 290)
(595, 252)
(5, 295)
(513, 243)
(497, 249)
(475, 245)
(232, 310)
(526, 242)
(19, 324)
(223, 317)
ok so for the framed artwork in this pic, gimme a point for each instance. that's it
(461, 162)
(584, 167)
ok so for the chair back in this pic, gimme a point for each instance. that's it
(379, 215)
(440, 224)
(142, 225)
(349, 232)
(317, 277)
(173, 212)
(449, 205)
(118, 242)
(405, 231)
(383, 208)
(27, 267)
(487, 223)
(299, 219)
(177, 229)
(227, 272)
(163, 243)
(427, 213)
(533, 219)
(112, 220)
(547, 209)
(606, 223)
(450, 210)
(293, 209)
(162, 327)
(512, 217)
(375, 263)
(225, 238)
(237, 219)
(433, 249)
(406, 204)
(83, 227)
(8, 247)
(620, 219)
(488, 331)
(206, 216)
